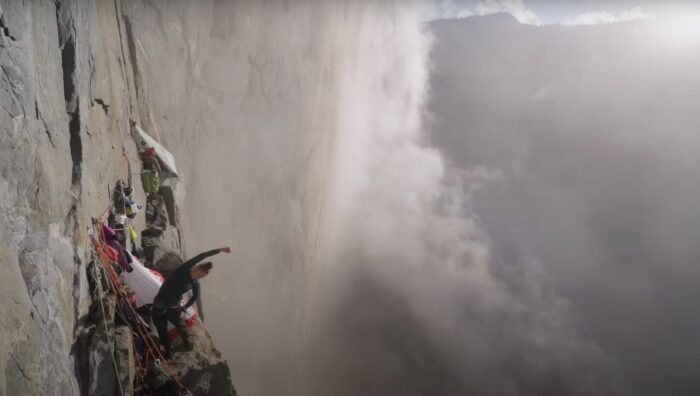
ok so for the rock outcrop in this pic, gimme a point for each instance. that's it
(68, 88)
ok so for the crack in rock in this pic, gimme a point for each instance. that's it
(4, 28)
(20, 368)
(102, 103)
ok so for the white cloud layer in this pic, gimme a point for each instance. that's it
(603, 17)
(516, 8)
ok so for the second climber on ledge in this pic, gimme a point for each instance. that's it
(166, 304)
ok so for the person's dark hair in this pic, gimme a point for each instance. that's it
(206, 266)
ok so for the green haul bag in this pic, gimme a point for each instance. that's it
(150, 181)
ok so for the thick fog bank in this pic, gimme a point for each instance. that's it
(593, 133)
(408, 302)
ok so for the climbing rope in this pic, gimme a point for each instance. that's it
(152, 350)
(98, 282)
(128, 309)
(133, 319)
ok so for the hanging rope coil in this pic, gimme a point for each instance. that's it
(134, 320)
(125, 309)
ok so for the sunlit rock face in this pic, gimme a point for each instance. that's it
(59, 150)
(68, 92)
(247, 96)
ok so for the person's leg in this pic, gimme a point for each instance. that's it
(161, 322)
(178, 321)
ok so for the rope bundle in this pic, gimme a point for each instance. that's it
(133, 319)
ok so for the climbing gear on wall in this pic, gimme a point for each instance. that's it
(120, 219)
(125, 308)
(150, 148)
(132, 233)
(150, 180)
(132, 209)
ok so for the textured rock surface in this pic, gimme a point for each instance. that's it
(203, 369)
(245, 92)
(67, 92)
(168, 262)
(41, 278)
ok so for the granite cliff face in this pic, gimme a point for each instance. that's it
(69, 86)
(73, 74)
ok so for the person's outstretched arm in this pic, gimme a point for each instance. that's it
(187, 265)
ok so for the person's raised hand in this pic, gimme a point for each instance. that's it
(226, 249)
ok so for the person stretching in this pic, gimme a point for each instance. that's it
(166, 304)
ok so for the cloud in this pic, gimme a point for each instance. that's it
(604, 17)
(465, 12)
(594, 179)
(447, 7)
(514, 7)
(409, 295)
(590, 18)
(634, 13)
(451, 9)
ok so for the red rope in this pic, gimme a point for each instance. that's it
(104, 213)
(152, 350)
(151, 346)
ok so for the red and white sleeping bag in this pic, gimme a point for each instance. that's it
(145, 283)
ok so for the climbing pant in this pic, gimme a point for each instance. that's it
(161, 317)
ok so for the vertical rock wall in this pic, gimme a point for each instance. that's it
(67, 92)
(246, 94)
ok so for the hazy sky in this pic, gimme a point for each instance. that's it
(554, 12)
